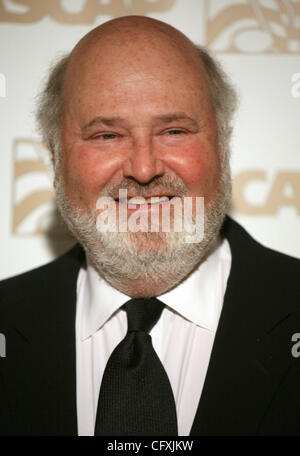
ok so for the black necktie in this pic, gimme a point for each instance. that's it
(135, 396)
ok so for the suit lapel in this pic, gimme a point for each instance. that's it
(243, 372)
(40, 371)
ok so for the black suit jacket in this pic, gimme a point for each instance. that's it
(252, 385)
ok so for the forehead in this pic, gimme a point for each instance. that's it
(113, 69)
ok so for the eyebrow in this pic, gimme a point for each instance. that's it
(111, 121)
(167, 118)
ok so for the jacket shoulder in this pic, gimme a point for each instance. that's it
(257, 266)
(35, 284)
(241, 241)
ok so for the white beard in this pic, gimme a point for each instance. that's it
(145, 264)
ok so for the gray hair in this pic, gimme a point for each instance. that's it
(50, 103)
(223, 97)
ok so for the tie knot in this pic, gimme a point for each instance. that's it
(143, 313)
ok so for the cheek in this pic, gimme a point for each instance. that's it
(198, 166)
(85, 172)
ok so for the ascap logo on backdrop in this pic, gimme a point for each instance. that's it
(33, 206)
(253, 26)
(281, 191)
(33, 198)
(77, 11)
(239, 26)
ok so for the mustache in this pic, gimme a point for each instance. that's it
(167, 185)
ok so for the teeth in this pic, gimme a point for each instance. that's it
(137, 200)
(157, 199)
(150, 200)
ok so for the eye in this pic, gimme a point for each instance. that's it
(175, 131)
(105, 136)
(108, 136)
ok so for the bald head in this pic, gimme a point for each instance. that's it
(132, 32)
(129, 26)
(130, 45)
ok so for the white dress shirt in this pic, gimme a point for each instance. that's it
(182, 338)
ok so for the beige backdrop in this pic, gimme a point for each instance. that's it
(258, 43)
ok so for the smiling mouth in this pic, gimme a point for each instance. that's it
(145, 203)
(141, 201)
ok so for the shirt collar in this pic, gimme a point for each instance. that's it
(198, 299)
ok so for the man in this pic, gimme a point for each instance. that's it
(137, 107)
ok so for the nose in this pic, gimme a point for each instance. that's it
(142, 163)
